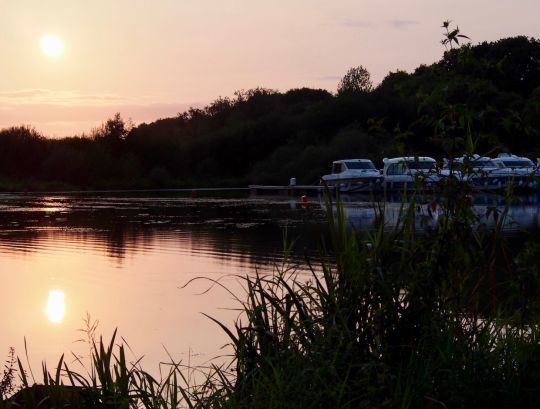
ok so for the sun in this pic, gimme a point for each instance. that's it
(51, 45)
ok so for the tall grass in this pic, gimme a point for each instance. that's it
(390, 318)
(111, 381)
(398, 319)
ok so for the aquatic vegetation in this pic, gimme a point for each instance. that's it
(7, 382)
(397, 320)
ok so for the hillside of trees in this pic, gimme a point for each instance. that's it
(489, 91)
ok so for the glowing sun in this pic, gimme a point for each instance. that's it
(51, 45)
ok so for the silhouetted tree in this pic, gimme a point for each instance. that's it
(114, 129)
(357, 79)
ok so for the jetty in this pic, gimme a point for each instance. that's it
(289, 190)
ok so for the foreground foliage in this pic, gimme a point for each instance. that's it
(446, 318)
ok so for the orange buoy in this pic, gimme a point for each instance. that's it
(304, 201)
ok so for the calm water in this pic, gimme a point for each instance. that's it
(124, 261)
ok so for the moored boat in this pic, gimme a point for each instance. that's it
(407, 171)
(353, 175)
(523, 171)
(481, 172)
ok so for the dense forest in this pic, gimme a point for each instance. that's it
(487, 93)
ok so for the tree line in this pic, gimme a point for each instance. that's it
(487, 93)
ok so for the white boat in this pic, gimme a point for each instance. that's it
(507, 160)
(481, 172)
(521, 168)
(353, 175)
(407, 171)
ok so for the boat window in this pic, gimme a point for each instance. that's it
(336, 168)
(360, 165)
(396, 169)
(518, 163)
(421, 165)
(482, 164)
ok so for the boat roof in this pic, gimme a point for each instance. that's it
(475, 157)
(351, 160)
(509, 157)
(409, 159)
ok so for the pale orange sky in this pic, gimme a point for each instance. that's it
(152, 59)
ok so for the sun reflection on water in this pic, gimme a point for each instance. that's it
(56, 306)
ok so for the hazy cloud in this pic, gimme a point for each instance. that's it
(40, 96)
(403, 24)
(66, 113)
(395, 24)
(359, 24)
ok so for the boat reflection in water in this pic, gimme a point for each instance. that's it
(362, 212)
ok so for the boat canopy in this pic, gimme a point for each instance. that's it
(359, 164)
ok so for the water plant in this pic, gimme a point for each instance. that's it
(397, 319)
(7, 381)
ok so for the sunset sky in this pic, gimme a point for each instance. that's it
(152, 59)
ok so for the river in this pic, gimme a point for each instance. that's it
(125, 259)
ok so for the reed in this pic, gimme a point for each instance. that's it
(397, 319)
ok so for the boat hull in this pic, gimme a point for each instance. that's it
(351, 185)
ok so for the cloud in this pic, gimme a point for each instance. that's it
(66, 113)
(359, 24)
(40, 96)
(395, 24)
(403, 24)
